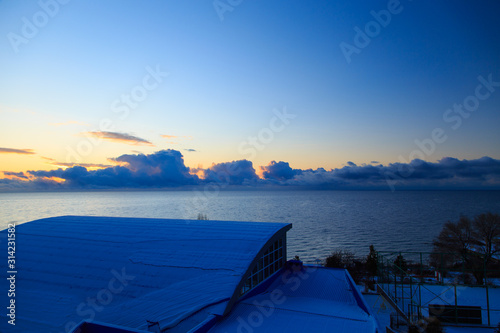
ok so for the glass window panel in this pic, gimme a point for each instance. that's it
(269, 263)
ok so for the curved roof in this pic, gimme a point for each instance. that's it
(305, 299)
(128, 271)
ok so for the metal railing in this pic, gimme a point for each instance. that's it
(426, 284)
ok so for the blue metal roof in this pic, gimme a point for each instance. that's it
(311, 299)
(128, 271)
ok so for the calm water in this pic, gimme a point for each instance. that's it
(322, 220)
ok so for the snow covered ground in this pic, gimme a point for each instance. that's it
(448, 295)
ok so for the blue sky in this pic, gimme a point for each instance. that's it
(224, 72)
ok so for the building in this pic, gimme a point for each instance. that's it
(108, 274)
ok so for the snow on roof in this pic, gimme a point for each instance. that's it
(127, 271)
(314, 299)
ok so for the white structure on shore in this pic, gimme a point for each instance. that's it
(108, 274)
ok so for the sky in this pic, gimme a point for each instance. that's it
(335, 94)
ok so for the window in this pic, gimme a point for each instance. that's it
(270, 262)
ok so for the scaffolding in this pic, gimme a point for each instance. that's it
(424, 284)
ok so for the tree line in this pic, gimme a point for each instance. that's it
(469, 244)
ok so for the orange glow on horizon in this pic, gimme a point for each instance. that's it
(26, 177)
(29, 177)
(259, 171)
(198, 172)
(55, 179)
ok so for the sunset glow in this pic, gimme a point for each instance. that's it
(305, 84)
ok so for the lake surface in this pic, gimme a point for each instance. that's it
(322, 220)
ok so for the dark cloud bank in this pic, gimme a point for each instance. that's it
(165, 169)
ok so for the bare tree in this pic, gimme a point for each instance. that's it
(487, 235)
(340, 259)
(474, 242)
(455, 238)
(346, 259)
(202, 217)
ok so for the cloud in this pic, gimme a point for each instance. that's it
(85, 165)
(279, 171)
(447, 173)
(120, 137)
(166, 169)
(16, 151)
(52, 161)
(38, 184)
(190, 150)
(166, 136)
(232, 173)
(12, 185)
(15, 175)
